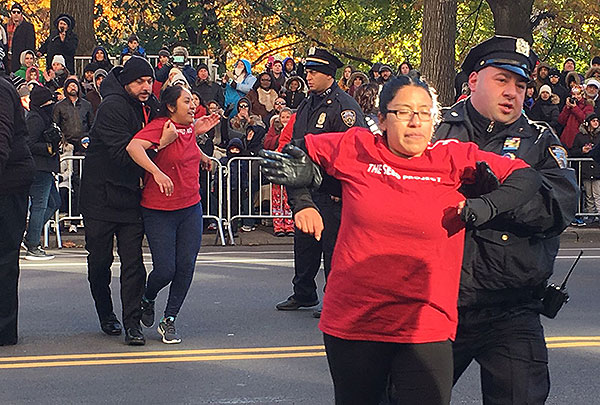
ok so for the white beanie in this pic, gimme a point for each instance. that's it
(546, 88)
(59, 59)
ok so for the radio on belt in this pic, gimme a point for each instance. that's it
(555, 297)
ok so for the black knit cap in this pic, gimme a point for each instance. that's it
(39, 95)
(322, 61)
(17, 6)
(596, 60)
(202, 66)
(69, 81)
(591, 116)
(135, 68)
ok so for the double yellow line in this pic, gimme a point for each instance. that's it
(561, 342)
(200, 355)
(171, 356)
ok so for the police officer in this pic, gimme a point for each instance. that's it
(508, 261)
(327, 109)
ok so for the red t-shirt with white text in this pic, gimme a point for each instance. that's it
(396, 265)
(180, 161)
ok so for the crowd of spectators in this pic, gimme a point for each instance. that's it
(257, 103)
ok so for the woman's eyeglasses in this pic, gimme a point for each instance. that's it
(405, 114)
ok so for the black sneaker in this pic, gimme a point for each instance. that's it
(147, 308)
(37, 253)
(167, 330)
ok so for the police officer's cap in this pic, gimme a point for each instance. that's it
(504, 52)
(322, 61)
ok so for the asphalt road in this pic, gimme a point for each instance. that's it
(236, 349)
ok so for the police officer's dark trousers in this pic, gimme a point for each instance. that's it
(13, 216)
(510, 348)
(99, 237)
(308, 251)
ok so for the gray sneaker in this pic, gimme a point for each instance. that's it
(37, 253)
(167, 330)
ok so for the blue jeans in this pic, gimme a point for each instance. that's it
(174, 238)
(45, 200)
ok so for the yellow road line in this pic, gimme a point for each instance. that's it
(161, 360)
(570, 338)
(572, 344)
(161, 353)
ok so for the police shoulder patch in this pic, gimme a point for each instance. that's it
(560, 155)
(349, 117)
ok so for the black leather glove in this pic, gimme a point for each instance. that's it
(478, 211)
(485, 182)
(292, 167)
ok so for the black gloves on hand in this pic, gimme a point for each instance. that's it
(478, 211)
(292, 167)
(485, 182)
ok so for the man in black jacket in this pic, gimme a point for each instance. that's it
(21, 35)
(206, 88)
(61, 41)
(508, 261)
(16, 174)
(110, 195)
(44, 145)
(73, 115)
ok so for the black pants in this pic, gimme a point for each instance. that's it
(99, 244)
(420, 373)
(13, 216)
(511, 352)
(308, 251)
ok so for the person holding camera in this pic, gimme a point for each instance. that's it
(62, 41)
(44, 142)
(576, 108)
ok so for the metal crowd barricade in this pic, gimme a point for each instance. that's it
(70, 166)
(212, 204)
(576, 163)
(245, 192)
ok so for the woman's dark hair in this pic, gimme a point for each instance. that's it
(169, 97)
(202, 102)
(366, 97)
(396, 83)
(257, 83)
(407, 63)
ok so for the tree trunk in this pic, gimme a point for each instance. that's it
(512, 17)
(83, 14)
(437, 47)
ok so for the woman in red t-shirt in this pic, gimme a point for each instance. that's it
(390, 307)
(170, 202)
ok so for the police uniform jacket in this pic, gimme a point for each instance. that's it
(332, 111)
(509, 259)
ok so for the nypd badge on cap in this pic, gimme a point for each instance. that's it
(504, 52)
(322, 61)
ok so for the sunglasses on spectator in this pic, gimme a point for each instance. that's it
(243, 106)
(280, 102)
(16, 11)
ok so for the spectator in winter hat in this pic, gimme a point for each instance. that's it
(61, 41)
(20, 36)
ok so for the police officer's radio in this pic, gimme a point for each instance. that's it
(556, 296)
